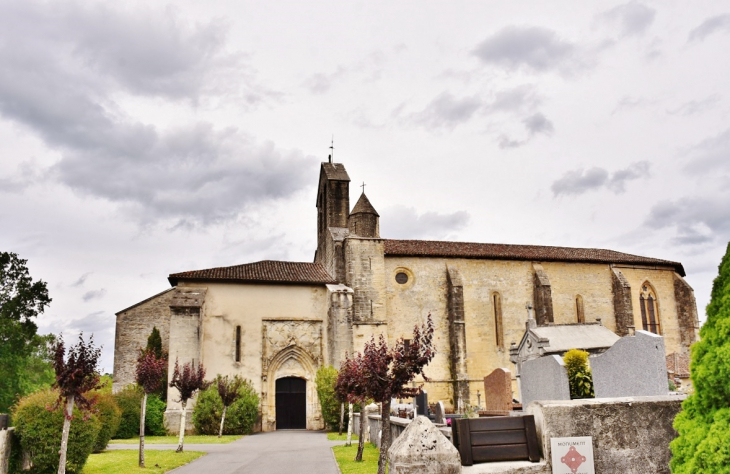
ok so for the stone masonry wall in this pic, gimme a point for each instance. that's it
(689, 324)
(542, 296)
(623, 310)
(133, 327)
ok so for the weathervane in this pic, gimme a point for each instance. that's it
(332, 147)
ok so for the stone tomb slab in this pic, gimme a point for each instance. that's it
(572, 455)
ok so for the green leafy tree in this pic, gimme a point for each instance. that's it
(704, 422)
(328, 401)
(21, 349)
(580, 377)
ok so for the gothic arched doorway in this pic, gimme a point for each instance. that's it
(291, 403)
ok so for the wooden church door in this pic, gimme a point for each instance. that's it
(291, 404)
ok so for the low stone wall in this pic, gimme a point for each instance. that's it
(6, 439)
(630, 435)
(397, 426)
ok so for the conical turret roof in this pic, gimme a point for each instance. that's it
(363, 206)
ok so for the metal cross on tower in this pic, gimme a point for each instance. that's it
(363, 187)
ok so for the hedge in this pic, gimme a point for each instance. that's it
(241, 416)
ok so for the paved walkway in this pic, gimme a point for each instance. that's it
(277, 452)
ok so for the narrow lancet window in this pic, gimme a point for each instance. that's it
(238, 343)
(498, 330)
(580, 313)
(649, 309)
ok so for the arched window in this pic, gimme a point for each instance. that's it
(498, 331)
(579, 312)
(649, 309)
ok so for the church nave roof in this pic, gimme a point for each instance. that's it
(273, 271)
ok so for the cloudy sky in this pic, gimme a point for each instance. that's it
(139, 140)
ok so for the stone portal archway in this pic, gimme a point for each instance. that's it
(291, 349)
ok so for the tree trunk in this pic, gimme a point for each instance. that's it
(223, 418)
(182, 429)
(67, 414)
(142, 413)
(349, 428)
(385, 437)
(342, 417)
(361, 440)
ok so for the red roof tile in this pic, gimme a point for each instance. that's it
(265, 271)
(430, 248)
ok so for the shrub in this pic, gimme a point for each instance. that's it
(326, 379)
(129, 401)
(704, 422)
(154, 421)
(241, 416)
(110, 415)
(39, 432)
(579, 375)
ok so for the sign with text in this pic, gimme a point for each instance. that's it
(572, 455)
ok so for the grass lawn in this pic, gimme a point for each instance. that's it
(189, 439)
(345, 456)
(157, 462)
(342, 437)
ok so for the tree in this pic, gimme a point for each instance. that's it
(187, 381)
(351, 386)
(704, 422)
(150, 370)
(21, 301)
(580, 378)
(228, 390)
(386, 371)
(75, 375)
(154, 343)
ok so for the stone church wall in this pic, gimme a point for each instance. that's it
(250, 306)
(133, 327)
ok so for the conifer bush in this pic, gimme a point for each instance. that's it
(328, 401)
(241, 416)
(110, 415)
(704, 422)
(580, 377)
(38, 427)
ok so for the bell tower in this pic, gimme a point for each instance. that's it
(333, 208)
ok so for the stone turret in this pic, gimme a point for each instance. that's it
(364, 220)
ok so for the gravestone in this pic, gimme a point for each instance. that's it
(544, 379)
(439, 413)
(498, 393)
(422, 449)
(422, 403)
(634, 366)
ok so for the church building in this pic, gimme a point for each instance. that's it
(275, 323)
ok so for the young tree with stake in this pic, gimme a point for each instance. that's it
(351, 386)
(228, 390)
(387, 370)
(150, 370)
(187, 381)
(75, 376)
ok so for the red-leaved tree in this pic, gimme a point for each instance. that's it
(150, 370)
(387, 371)
(76, 374)
(228, 390)
(187, 381)
(351, 386)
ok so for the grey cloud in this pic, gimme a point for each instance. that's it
(697, 220)
(628, 102)
(93, 295)
(580, 181)
(531, 47)
(447, 111)
(193, 172)
(534, 124)
(709, 26)
(81, 280)
(401, 222)
(520, 98)
(633, 18)
(321, 83)
(710, 156)
(696, 106)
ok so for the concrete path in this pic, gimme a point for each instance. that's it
(277, 452)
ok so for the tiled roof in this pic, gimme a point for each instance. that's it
(678, 365)
(265, 271)
(363, 205)
(430, 248)
(335, 171)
